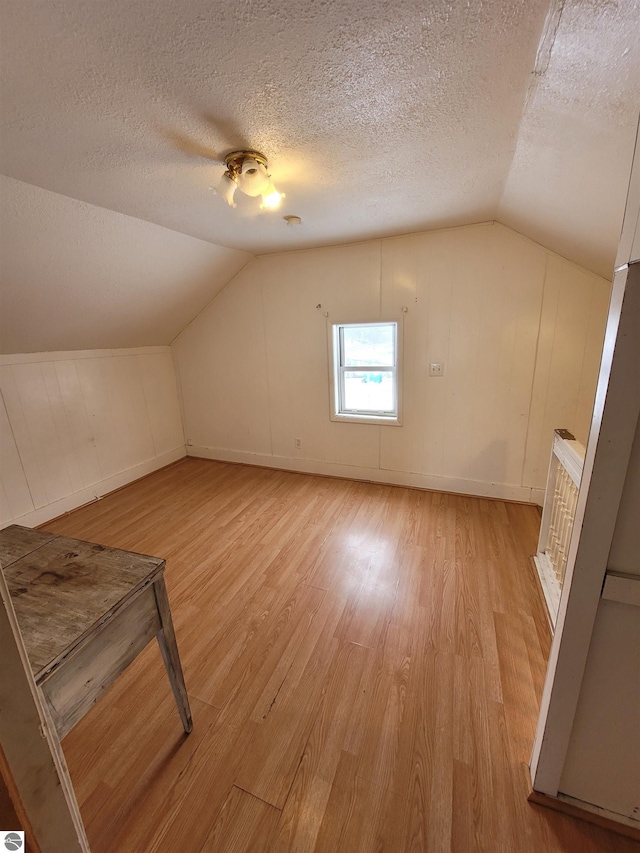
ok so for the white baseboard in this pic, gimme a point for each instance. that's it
(611, 821)
(97, 490)
(607, 814)
(537, 496)
(477, 488)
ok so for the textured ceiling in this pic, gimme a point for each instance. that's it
(569, 177)
(377, 118)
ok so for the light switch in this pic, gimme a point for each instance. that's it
(436, 368)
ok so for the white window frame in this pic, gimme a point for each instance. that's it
(338, 369)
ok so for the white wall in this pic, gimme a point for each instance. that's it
(518, 329)
(570, 340)
(602, 766)
(76, 425)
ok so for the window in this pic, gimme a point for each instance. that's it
(365, 372)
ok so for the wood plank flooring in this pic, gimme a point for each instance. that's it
(364, 665)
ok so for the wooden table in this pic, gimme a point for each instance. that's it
(85, 612)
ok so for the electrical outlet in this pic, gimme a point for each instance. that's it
(298, 443)
(436, 368)
(189, 443)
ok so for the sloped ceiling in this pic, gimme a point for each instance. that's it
(76, 276)
(377, 118)
(568, 181)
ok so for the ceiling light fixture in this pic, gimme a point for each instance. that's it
(247, 171)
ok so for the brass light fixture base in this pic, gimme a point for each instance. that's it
(235, 159)
(247, 170)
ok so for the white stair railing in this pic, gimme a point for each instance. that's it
(561, 498)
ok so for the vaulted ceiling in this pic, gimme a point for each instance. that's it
(377, 118)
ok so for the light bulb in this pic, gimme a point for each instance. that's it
(271, 198)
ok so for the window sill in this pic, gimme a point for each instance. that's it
(380, 420)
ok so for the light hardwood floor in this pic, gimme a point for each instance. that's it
(364, 665)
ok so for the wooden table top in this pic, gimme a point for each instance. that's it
(62, 588)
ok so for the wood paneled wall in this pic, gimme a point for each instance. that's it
(519, 331)
(572, 325)
(76, 425)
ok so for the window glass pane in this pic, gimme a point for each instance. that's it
(368, 392)
(368, 345)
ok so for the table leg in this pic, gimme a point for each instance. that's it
(169, 649)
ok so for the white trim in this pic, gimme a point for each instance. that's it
(616, 817)
(625, 589)
(431, 482)
(97, 490)
(571, 455)
(336, 372)
(537, 496)
(361, 418)
(71, 355)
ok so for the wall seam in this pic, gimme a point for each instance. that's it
(146, 406)
(266, 362)
(535, 370)
(584, 355)
(379, 428)
(26, 479)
